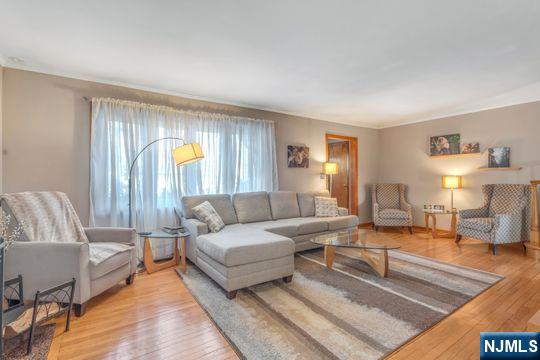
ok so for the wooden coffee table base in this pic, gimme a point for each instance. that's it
(377, 259)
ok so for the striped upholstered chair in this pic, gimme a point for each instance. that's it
(390, 207)
(504, 218)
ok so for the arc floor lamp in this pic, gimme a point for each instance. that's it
(183, 154)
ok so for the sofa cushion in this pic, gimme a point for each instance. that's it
(341, 222)
(107, 257)
(393, 214)
(222, 204)
(252, 207)
(284, 204)
(325, 206)
(239, 244)
(306, 201)
(280, 227)
(208, 215)
(480, 224)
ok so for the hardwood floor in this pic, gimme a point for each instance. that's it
(157, 318)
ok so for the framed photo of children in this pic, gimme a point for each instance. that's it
(444, 145)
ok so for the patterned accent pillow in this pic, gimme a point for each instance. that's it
(208, 215)
(325, 206)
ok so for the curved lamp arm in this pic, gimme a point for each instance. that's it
(133, 164)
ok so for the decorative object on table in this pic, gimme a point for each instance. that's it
(297, 156)
(504, 217)
(149, 263)
(390, 208)
(326, 206)
(444, 145)
(339, 304)
(499, 157)
(48, 304)
(451, 182)
(183, 155)
(434, 208)
(172, 230)
(330, 169)
(470, 148)
(10, 231)
(98, 258)
(433, 216)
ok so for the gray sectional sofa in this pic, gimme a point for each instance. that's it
(262, 233)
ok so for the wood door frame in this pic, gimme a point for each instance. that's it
(353, 167)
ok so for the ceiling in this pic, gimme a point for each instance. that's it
(367, 63)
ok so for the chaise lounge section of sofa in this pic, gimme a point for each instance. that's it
(262, 233)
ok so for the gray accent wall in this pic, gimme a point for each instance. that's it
(404, 155)
(46, 136)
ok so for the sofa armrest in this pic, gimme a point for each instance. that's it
(111, 234)
(342, 211)
(195, 228)
(473, 213)
(46, 264)
(507, 228)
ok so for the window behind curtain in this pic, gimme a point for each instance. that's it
(240, 156)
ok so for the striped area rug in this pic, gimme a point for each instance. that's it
(344, 313)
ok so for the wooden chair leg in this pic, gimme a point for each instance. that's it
(494, 249)
(287, 279)
(80, 309)
(458, 238)
(231, 294)
(376, 228)
(410, 230)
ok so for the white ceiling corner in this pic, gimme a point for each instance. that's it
(364, 63)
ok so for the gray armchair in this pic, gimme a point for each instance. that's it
(390, 207)
(106, 257)
(503, 218)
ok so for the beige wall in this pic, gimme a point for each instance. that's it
(46, 134)
(1, 97)
(404, 155)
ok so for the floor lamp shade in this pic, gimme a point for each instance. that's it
(451, 182)
(187, 154)
(330, 168)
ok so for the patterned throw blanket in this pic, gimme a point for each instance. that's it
(47, 215)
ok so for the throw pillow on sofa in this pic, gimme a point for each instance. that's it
(208, 215)
(325, 206)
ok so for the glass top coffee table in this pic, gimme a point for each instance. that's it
(372, 246)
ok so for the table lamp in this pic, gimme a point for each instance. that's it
(330, 168)
(451, 182)
(182, 155)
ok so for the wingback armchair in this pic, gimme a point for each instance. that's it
(98, 258)
(503, 218)
(390, 207)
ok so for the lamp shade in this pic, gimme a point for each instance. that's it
(187, 153)
(330, 168)
(451, 182)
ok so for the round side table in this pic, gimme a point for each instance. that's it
(149, 263)
(440, 234)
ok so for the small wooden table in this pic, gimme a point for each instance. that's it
(149, 263)
(443, 234)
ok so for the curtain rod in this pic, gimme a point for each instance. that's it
(89, 99)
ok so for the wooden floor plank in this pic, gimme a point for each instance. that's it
(157, 317)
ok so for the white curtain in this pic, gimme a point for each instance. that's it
(240, 156)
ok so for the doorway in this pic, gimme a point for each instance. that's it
(343, 150)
